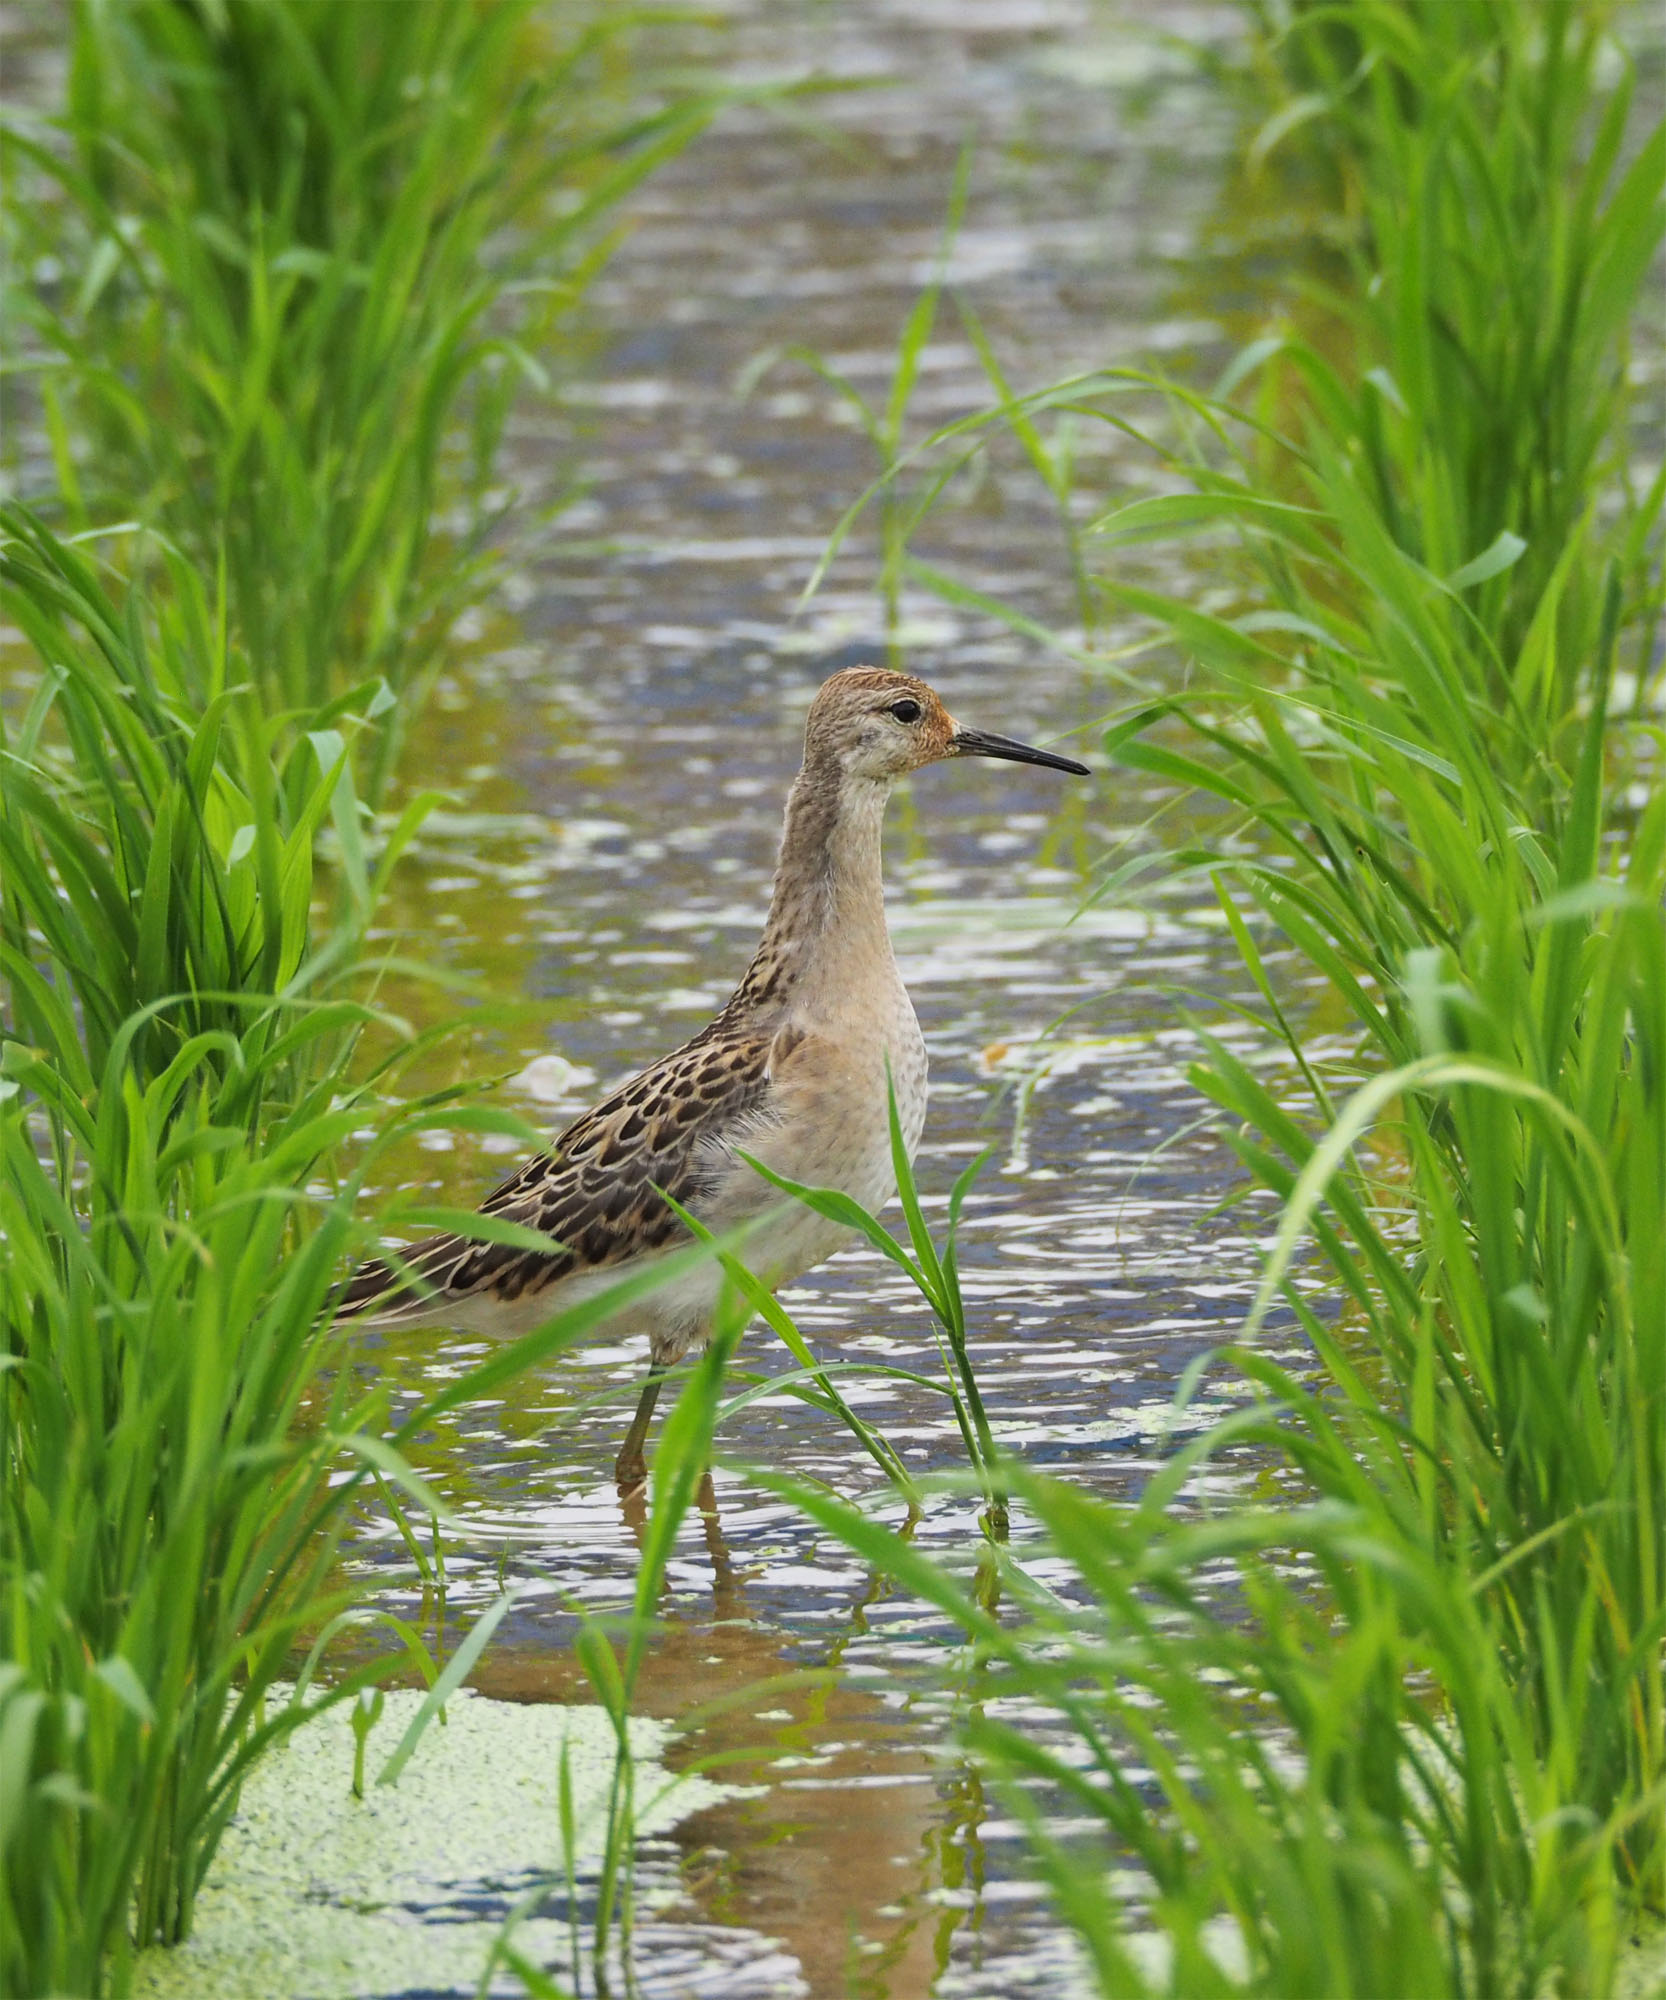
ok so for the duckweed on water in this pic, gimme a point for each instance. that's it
(318, 1895)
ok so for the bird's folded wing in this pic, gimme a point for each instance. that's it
(596, 1193)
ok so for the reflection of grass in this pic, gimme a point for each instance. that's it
(1408, 705)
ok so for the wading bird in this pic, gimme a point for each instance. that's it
(793, 1071)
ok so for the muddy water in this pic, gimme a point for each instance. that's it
(618, 745)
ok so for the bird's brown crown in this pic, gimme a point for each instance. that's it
(877, 724)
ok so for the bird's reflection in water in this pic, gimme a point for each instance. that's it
(633, 1511)
(851, 1827)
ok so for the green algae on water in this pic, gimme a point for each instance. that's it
(316, 1895)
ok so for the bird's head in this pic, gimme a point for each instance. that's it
(879, 725)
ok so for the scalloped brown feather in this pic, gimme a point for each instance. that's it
(596, 1190)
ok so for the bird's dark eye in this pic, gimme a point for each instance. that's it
(906, 710)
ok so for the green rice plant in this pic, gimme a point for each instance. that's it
(1468, 399)
(900, 512)
(159, 854)
(1283, 1798)
(167, 1451)
(301, 259)
(1406, 704)
(1516, 1362)
(1459, 871)
(184, 1439)
(1499, 238)
(1421, 1751)
(166, 1097)
(936, 1276)
(1411, 717)
(1425, 759)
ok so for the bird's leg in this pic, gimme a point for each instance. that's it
(630, 1468)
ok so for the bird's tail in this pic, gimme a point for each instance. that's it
(414, 1292)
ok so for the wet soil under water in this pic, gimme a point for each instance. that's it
(619, 755)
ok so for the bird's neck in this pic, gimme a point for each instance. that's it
(826, 926)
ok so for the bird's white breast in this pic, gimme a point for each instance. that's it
(836, 1125)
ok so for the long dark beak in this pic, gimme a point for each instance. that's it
(976, 743)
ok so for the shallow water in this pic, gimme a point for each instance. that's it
(619, 754)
